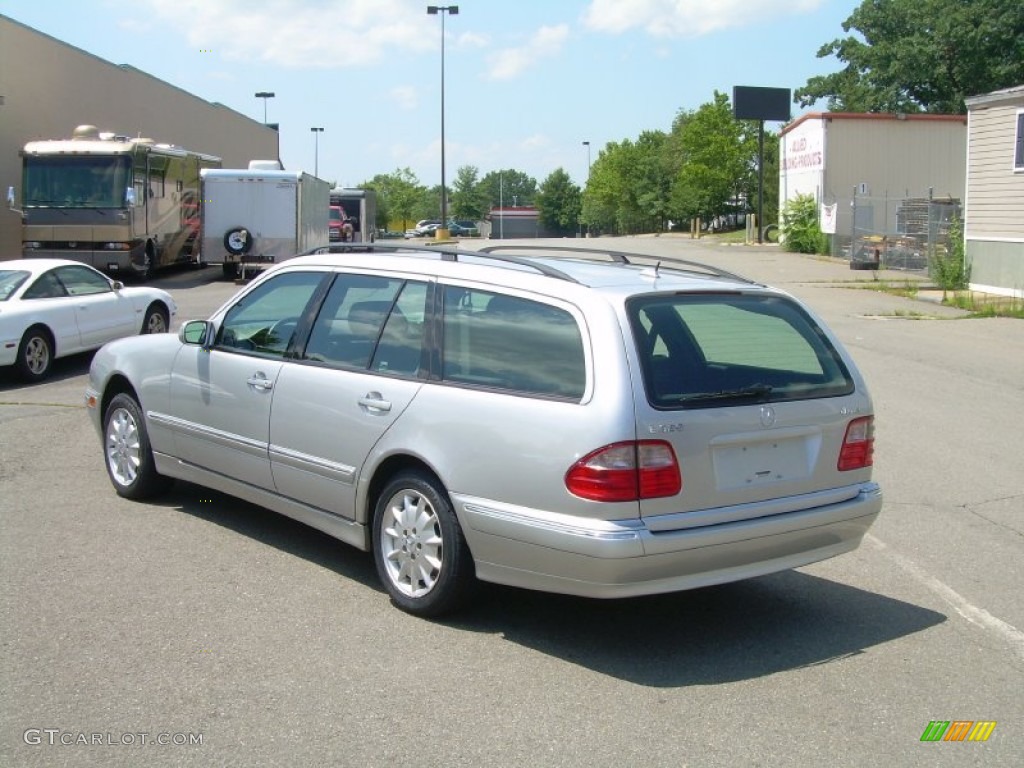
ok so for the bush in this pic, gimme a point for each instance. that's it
(800, 230)
(949, 268)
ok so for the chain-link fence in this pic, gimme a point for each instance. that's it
(894, 232)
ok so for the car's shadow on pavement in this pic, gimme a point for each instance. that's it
(63, 368)
(719, 634)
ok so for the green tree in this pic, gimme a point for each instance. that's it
(629, 185)
(749, 183)
(397, 196)
(466, 200)
(508, 187)
(717, 156)
(921, 55)
(558, 203)
(606, 188)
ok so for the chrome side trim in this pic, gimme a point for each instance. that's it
(314, 464)
(216, 436)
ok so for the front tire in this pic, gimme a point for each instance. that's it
(418, 546)
(127, 452)
(35, 354)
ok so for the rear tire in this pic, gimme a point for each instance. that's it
(157, 319)
(127, 452)
(418, 547)
(35, 354)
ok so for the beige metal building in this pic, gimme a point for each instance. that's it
(48, 87)
(994, 218)
(874, 172)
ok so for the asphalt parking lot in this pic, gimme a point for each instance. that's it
(238, 637)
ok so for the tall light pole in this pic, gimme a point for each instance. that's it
(441, 233)
(587, 145)
(265, 95)
(316, 150)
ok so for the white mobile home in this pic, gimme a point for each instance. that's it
(994, 217)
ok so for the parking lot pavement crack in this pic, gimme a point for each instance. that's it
(974, 508)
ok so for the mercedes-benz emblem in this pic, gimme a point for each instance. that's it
(767, 416)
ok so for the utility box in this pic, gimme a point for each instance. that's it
(253, 218)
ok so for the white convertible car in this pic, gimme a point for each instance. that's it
(50, 308)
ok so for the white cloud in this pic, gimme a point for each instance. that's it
(405, 97)
(511, 62)
(687, 18)
(298, 34)
(472, 40)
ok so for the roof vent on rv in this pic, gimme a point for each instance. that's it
(265, 165)
(85, 133)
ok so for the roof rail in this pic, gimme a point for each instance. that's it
(625, 257)
(446, 253)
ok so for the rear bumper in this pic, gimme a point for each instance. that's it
(604, 559)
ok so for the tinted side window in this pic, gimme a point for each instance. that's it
(82, 281)
(718, 350)
(507, 342)
(351, 319)
(264, 320)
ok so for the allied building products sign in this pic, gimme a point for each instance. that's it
(804, 149)
(753, 103)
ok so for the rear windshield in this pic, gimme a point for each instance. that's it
(708, 350)
(10, 279)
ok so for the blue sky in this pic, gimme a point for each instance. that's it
(526, 81)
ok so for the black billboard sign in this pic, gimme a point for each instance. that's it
(753, 103)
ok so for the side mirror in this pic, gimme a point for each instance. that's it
(10, 198)
(194, 332)
(117, 285)
(129, 197)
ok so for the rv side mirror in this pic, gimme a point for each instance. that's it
(10, 197)
(129, 197)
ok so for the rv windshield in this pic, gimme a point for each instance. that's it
(83, 181)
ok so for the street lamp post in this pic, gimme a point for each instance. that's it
(316, 150)
(265, 95)
(441, 233)
(587, 145)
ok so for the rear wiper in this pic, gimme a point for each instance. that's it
(752, 391)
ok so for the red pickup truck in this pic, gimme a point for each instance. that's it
(336, 224)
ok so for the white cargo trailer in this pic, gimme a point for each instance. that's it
(253, 218)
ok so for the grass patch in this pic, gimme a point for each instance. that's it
(907, 289)
(986, 305)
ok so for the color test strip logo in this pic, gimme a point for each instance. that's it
(958, 730)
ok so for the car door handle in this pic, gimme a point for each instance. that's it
(375, 401)
(260, 381)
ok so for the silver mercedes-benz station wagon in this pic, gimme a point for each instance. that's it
(566, 419)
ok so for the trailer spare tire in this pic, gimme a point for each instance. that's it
(237, 240)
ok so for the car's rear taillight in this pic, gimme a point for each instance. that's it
(630, 471)
(858, 444)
